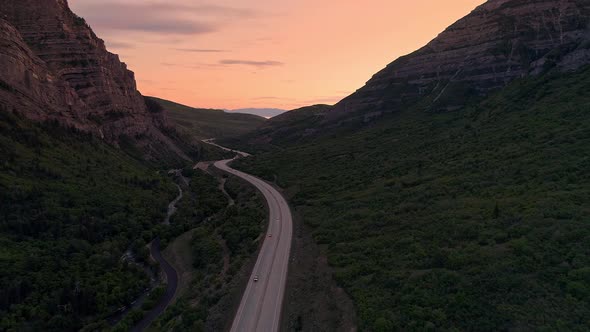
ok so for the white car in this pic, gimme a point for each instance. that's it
(256, 278)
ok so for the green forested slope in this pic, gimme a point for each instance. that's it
(474, 220)
(70, 206)
(208, 123)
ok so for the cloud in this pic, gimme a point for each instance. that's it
(224, 63)
(168, 64)
(224, 11)
(155, 24)
(119, 45)
(270, 98)
(190, 66)
(159, 17)
(259, 64)
(199, 50)
(150, 7)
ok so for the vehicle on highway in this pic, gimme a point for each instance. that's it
(270, 235)
(256, 278)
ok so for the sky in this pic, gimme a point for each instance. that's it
(230, 54)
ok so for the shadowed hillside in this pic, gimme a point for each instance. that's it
(474, 220)
(201, 123)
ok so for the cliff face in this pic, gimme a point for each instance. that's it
(55, 67)
(498, 42)
(27, 86)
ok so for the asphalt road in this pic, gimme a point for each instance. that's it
(172, 279)
(260, 308)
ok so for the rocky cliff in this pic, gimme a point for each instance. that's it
(27, 86)
(498, 42)
(53, 66)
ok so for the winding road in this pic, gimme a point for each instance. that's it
(262, 302)
(171, 274)
(171, 285)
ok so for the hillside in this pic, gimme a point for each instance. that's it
(451, 191)
(293, 126)
(201, 123)
(474, 220)
(71, 206)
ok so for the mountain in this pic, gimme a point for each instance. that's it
(263, 112)
(472, 221)
(201, 123)
(54, 68)
(500, 41)
(450, 192)
(497, 43)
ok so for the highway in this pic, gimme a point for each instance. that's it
(262, 301)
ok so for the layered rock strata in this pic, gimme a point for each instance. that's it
(500, 41)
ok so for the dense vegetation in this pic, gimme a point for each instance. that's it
(201, 200)
(205, 123)
(220, 245)
(70, 207)
(472, 220)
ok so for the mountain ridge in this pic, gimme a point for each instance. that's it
(199, 123)
(55, 68)
(499, 41)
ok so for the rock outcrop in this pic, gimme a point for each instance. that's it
(53, 67)
(27, 86)
(498, 42)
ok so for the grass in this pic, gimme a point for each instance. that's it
(472, 220)
(208, 123)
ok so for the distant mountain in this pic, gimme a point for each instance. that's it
(263, 112)
(201, 123)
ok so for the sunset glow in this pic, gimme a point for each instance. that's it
(263, 53)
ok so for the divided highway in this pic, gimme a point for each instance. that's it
(260, 308)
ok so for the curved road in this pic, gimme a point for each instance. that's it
(260, 308)
(172, 284)
(171, 275)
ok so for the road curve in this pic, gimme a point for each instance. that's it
(260, 308)
(172, 284)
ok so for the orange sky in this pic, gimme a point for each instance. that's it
(263, 53)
